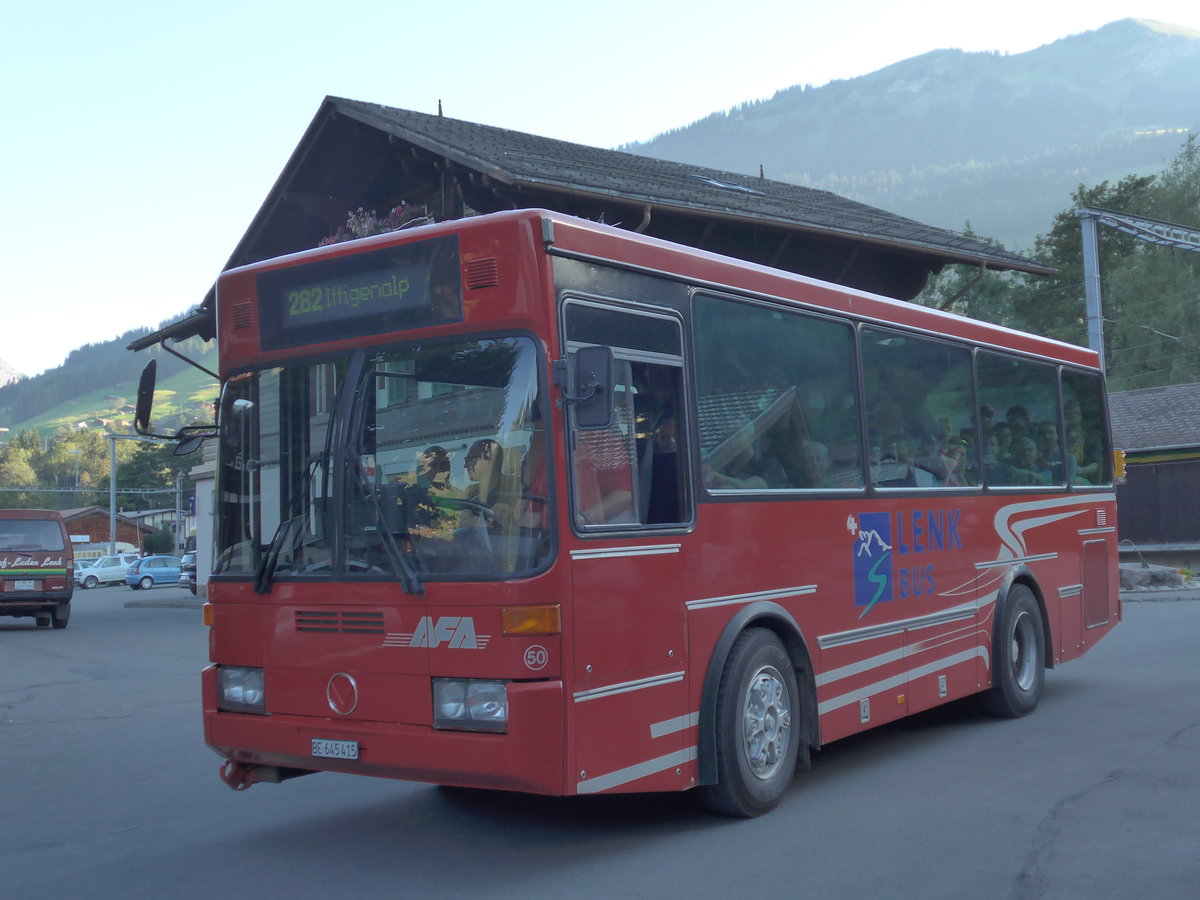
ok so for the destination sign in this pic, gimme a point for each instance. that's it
(395, 289)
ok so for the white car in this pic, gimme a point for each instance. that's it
(105, 570)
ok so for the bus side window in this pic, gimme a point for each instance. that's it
(776, 399)
(632, 472)
(1024, 448)
(603, 462)
(1083, 418)
(918, 404)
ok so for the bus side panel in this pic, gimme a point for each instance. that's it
(861, 685)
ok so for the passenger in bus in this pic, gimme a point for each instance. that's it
(1084, 444)
(433, 469)
(1049, 456)
(792, 458)
(1025, 463)
(743, 470)
(603, 477)
(485, 465)
(1018, 421)
(1080, 472)
(997, 471)
(535, 478)
(932, 457)
(987, 417)
(657, 396)
(1003, 435)
(959, 451)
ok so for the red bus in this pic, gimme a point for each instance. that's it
(530, 503)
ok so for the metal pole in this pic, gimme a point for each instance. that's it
(112, 494)
(1091, 285)
(178, 511)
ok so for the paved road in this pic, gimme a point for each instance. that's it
(107, 790)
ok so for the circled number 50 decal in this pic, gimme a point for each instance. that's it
(536, 657)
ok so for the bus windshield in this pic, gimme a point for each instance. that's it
(422, 462)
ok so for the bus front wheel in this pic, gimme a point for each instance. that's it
(1020, 657)
(756, 721)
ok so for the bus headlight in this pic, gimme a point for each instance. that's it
(240, 689)
(467, 704)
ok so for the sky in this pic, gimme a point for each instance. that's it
(140, 138)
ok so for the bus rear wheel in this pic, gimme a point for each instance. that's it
(1020, 658)
(756, 720)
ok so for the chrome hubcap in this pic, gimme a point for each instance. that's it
(1024, 650)
(766, 722)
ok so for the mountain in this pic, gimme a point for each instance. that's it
(7, 374)
(949, 137)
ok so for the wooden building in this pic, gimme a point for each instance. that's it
(1159, 504)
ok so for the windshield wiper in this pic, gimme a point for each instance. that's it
(402, 568)
(266, 567)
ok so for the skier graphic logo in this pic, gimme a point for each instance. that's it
(874, 576)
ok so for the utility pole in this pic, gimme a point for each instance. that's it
(178, 512)
(1152, 231)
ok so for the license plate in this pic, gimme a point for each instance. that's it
(24, 585)
(335, 749)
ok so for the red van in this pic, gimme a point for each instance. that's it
(37, 567)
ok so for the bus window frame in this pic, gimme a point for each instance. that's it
(786, 307)
(574, 298)
(912, 334)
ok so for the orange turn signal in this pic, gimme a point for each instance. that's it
(209, 616)
(531, 619)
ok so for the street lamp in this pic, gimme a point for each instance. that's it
(76, 453)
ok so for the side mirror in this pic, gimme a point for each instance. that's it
(189, 437)
(188, 445)
(145, 397)
(593, 385)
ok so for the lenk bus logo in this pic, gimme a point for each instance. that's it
(456, 632)
(880, 538)
(873, 576)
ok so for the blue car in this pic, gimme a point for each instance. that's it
(151, 570)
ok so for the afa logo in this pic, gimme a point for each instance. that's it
(874, 572)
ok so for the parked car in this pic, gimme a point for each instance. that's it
(38, 565)
(187, 571)
(105, 570)
(151, 570)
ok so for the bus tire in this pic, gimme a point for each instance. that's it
(756, 721)
(1019, 663)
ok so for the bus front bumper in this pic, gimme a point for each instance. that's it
(272, 748)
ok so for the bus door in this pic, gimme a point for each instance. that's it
(629, 504)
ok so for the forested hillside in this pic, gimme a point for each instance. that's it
(1151, 317)
(105, 366)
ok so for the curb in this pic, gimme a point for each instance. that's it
(1165, 595)
(164, 604)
